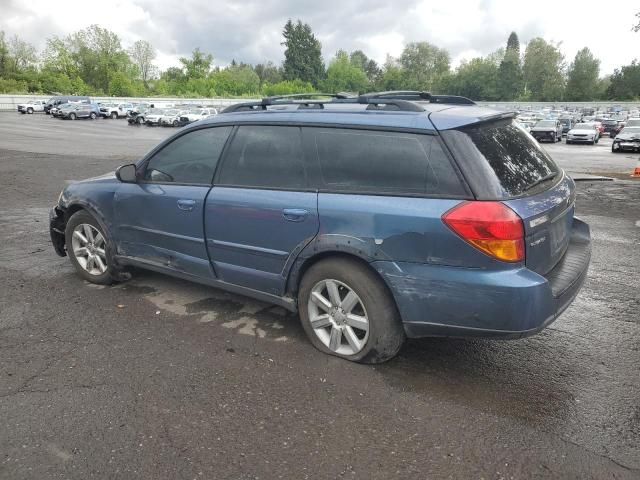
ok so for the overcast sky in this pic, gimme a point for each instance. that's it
(250, 30)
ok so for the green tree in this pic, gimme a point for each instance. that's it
(142, 55)
(198, 66)
(476, 79)
(392, 76)
(582, 78)
(510, 79)
(625, 83)
(4, 54)
(268, 73)
(543, 71)
(303, 54)
(344, 76)
(423, 64)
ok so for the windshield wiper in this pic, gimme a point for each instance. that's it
(550, 176)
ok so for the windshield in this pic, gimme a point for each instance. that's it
(631, 130)
(171, 112)
(583, 126)
(504, 151)
(546, 123)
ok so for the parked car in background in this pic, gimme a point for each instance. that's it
(171, 117)
(611, 127)
(32, 106)
(154, 116)
(583, 133)
(196, 114)
(60, 100)
(136, 115)
(547, 130)
(73, 111)
(567, 124)
(373, 224)
(115, 110)
(627, 140)
(632, 122)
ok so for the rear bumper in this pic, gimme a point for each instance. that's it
(452, 301)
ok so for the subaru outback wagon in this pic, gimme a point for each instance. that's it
(378, 217)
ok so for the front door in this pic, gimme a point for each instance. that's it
(261, 212)
(159, 220)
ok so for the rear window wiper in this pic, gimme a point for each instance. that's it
(550, 176)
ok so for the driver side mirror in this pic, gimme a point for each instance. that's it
(127, 173)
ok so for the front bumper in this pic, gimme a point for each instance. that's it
(580, 139)
(57, 223)
(452, 301)
(627, 146)
(540, 136)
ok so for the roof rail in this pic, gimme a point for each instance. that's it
(400, 100)
(416, 95)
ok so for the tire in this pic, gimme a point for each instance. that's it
(384, 334)
(114, 115)
(92, 116)
(593, 142)
(175, 123)
(613, 150)
(72, 116)
(597, 140)
(89, 266)
(568, 142)
(139, 121)
(553, 138)
(30, 111)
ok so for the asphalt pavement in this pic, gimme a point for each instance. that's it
(163, 379)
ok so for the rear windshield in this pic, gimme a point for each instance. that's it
(501, 160)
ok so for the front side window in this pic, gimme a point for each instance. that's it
(191, 158)
(265, 156)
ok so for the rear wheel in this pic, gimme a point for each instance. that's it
(139, 121)
(347, 311)
(72, 116)
(87, 247)
(175, 123)
(92, 116)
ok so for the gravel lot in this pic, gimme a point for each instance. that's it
(158, 378)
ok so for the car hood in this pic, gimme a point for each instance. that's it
(628, 136)
(543, 129)
(582, 131)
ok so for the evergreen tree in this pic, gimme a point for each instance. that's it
(510, 80)
(303, 55)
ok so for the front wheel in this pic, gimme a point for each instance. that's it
(72, 116)
(175, 123)
(114, 115)
(87, 247)
(139, 121)
(92, 116)
(347, 311)
(30, 110)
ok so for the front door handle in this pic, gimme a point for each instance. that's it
(186, 205)
(295, 214)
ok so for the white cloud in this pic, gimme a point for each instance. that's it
(250, 30)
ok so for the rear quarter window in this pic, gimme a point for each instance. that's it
(366, 161)
(501, 160)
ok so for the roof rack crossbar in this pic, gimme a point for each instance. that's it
(416, 95)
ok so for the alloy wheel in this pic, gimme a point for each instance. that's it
(338, 317)
(88, 246)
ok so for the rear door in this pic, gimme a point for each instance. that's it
(261, 212)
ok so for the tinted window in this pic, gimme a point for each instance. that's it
(265, 156)
(372, 161)
(191, 158)
(504, 151)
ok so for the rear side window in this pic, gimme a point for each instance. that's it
(264, 156)
(501, 159)
(368, 161)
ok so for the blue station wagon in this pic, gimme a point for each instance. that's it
(376, 218)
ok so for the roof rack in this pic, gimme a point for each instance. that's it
(401, 100)
(415, 95)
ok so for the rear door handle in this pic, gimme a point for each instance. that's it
(186, 205)
(295, 214)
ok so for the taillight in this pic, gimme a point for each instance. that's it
(491, 227)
